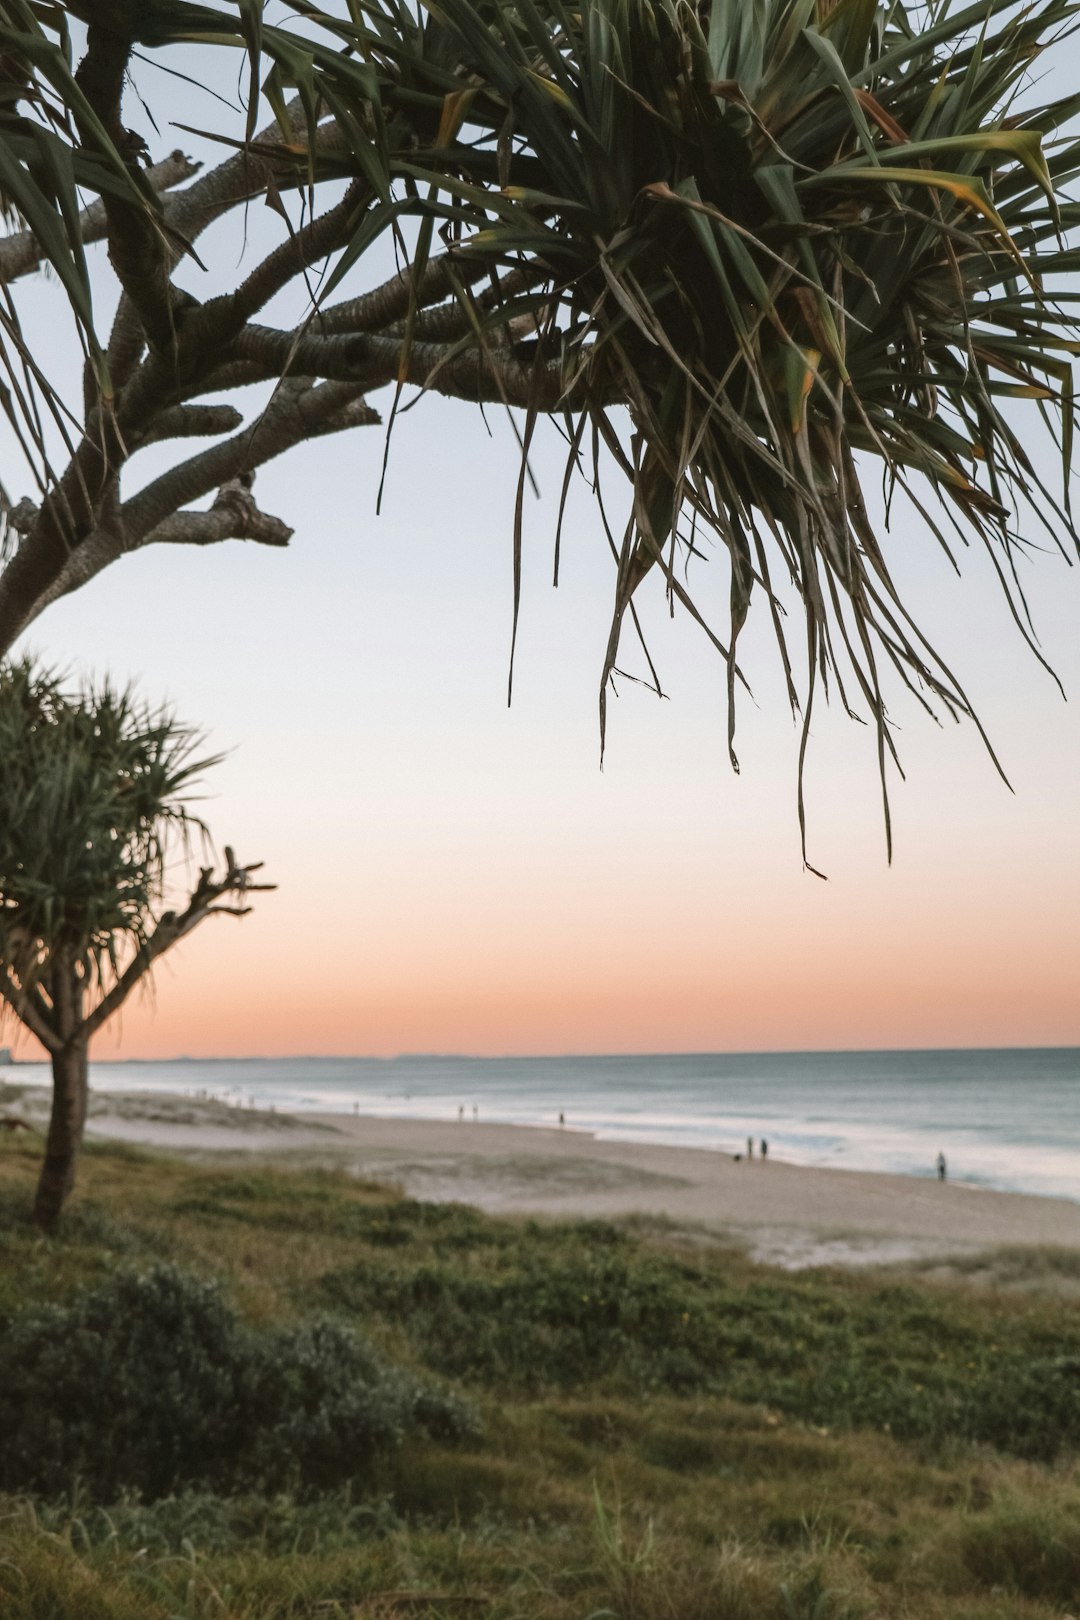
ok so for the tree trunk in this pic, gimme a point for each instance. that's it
(66, 1125)
(69, 1066)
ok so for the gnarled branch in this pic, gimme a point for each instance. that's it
(174, 926)
(233, 516)
(299, 410)
(155, 517)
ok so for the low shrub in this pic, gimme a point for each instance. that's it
(544, 1320)
(150, 1383)
(1028, 1545)
(580, 1308)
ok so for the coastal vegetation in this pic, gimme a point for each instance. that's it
(95, 803)
(443, 1413)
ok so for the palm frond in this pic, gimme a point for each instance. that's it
(791, 237)
(95, 798)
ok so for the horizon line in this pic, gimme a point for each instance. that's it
(539, 1057)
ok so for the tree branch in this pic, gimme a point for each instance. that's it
(299, 252)
(30, 1009)
(226, 376)
(138, 246)
(80, 501)
(470, 373)
(81, 525)
(193, 422)
(138, 526)
(21, 252)
(127, 345)
(239, 179)
(233, 516)
(299, 410)
(374, 310)
(445, 323)
(173, 926)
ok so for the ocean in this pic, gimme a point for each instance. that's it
(1008, 1119)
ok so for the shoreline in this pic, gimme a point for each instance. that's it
(782, 1213)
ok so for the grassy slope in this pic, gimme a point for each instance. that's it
(667, 1434)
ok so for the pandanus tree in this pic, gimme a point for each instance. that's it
(748, 251)
(95, 799)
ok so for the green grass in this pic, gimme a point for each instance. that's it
(666, 1434)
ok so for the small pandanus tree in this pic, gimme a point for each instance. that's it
(95, 797)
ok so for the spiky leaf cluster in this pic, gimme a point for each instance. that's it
(94, 794)
(797, 238)
(793, 239)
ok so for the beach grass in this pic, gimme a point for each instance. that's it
(665, 1431)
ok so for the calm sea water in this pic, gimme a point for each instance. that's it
(1008, 1119)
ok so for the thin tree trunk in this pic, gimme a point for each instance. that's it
(68, 1118)
(66, 1125)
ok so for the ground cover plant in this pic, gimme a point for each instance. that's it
(628, 1427)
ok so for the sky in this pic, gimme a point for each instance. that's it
(458, 876)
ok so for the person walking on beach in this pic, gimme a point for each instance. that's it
(764, 1148)
(941, 1167)
(749, 1147)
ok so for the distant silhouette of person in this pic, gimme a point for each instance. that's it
(475, 1113)
(941, 1167)
(562, 1119)
(764, 1148)
(461, 1113)
(749, 1147)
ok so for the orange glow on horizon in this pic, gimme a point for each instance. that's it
(873, 982)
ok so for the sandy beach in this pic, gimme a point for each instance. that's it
(783, 1213)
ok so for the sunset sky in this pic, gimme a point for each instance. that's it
(456, 876)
